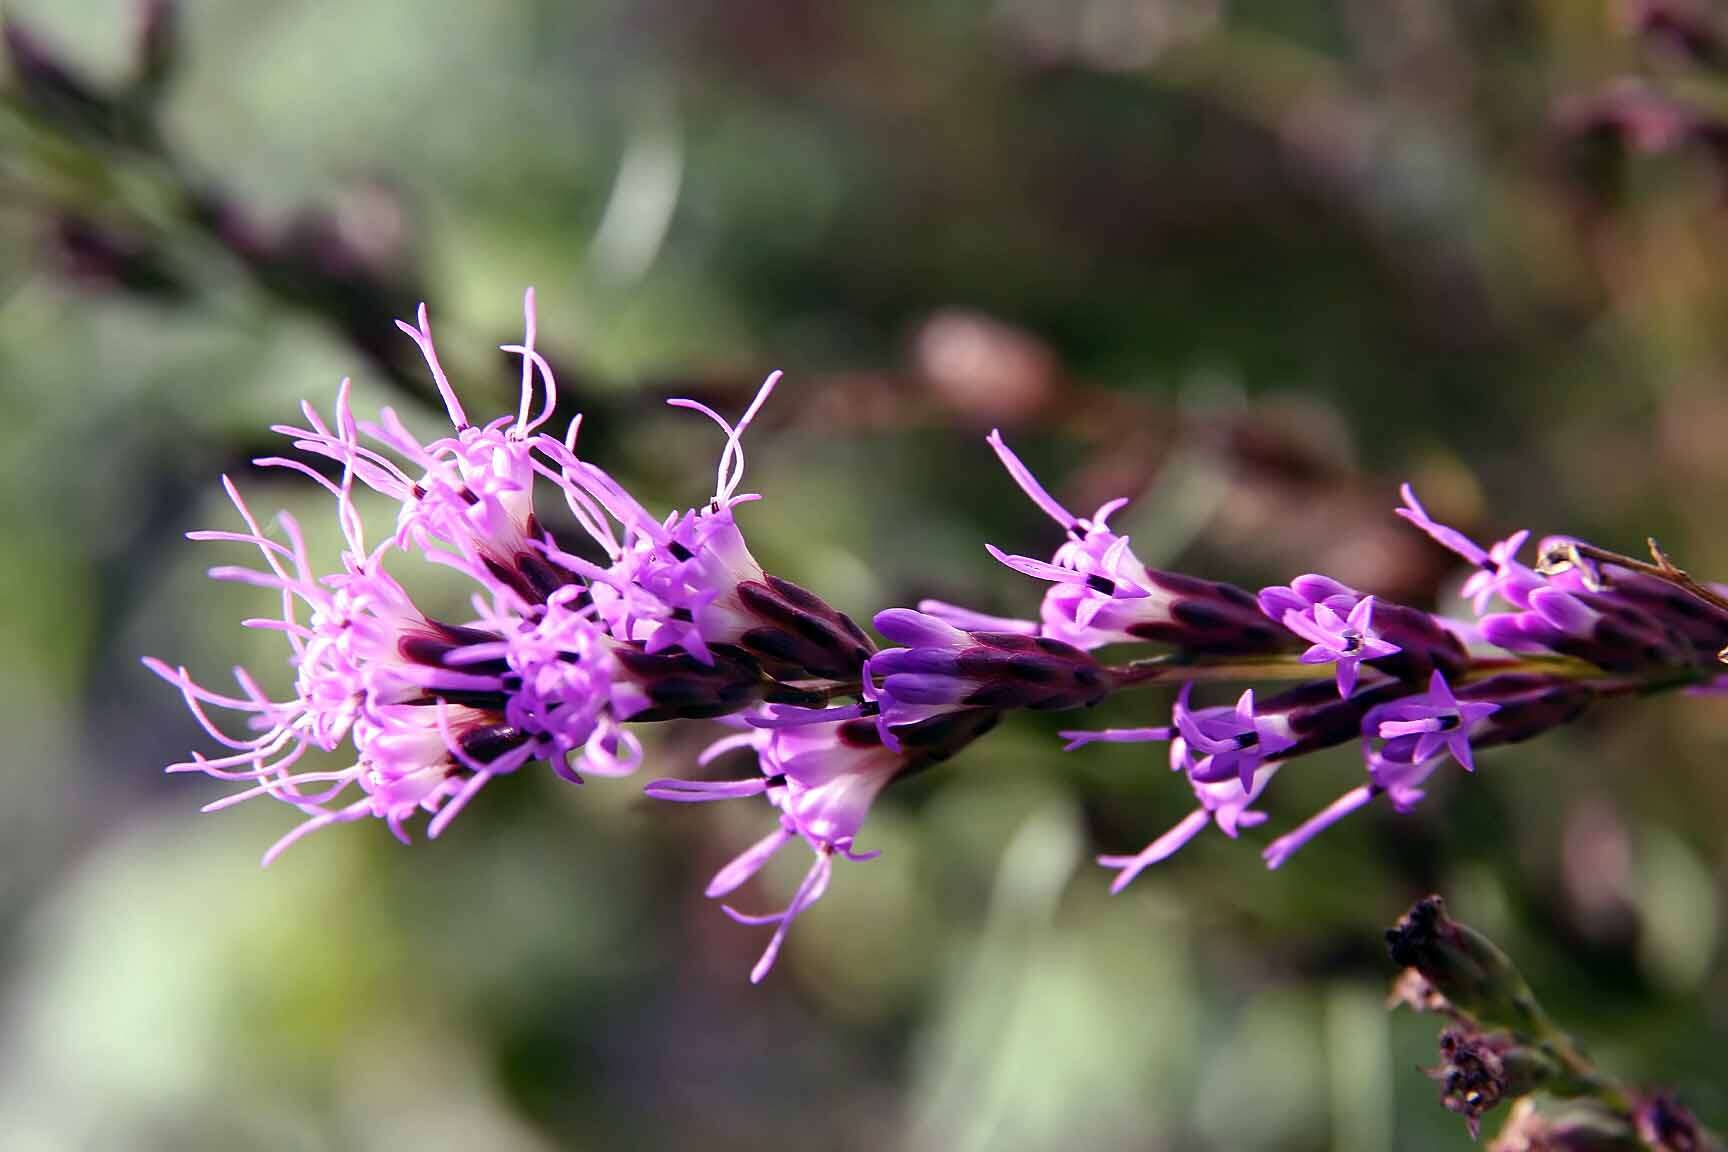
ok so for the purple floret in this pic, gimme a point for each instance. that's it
(1102, 594)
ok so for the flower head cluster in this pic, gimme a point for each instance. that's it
(592, 614)
(547, 668)
(1405, 683)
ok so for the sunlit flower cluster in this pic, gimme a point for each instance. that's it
(588, 616)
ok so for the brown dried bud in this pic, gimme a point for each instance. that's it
(1480, 1069)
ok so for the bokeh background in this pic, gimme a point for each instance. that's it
(1252, 263)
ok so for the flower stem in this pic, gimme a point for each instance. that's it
(1178, 669)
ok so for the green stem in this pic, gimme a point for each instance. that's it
(1589, 1079)
(1178, 670)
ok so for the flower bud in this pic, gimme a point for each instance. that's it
(679, 686)
(1463, 966)
(941, 670)
(799, 632)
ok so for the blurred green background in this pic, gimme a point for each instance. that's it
(1251, 262)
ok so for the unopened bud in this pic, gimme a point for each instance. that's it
(676, 685)
(1464, 966)
(797, 632)
(943, 671)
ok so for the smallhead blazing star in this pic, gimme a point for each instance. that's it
(591, 616)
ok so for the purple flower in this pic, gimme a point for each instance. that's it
(1397, 772)
(972, 621)
(1521, 706)
(670, 583)
(432, 710)
(689, 581)
(1414, 748)
(1341, 640)
(1663, 1122)
(1294, 723)
(1218, 743)
(1102, 594)
(1226, 803)
(466, 500)
(920, 680)
(1603, 628)
(1437, 719)
(557, 678)
(822, 778)
(1621, 621)
(1418, 643)
(1238, 751)
(1499, 572)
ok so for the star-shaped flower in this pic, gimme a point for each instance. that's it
(1438, 719)
(1228, 741)
(1344, 641)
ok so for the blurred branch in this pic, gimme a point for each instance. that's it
(1285, 469)
(119, 209)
